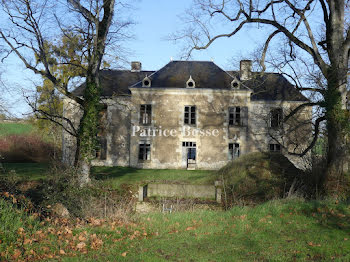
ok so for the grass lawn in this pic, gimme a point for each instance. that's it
(15, 128)
(27, 171)
(288, 230)
(115, 176)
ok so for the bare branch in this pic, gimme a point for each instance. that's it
(314, 140)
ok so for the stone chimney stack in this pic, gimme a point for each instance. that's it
(245, 69)
(136, 66)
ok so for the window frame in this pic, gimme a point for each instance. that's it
(145, 148)
(276, 123)
(231, 151)
(191, 117)
(232, 116)
(145, 110)
(276, 148)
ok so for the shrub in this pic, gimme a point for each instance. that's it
(258, 177)
(96, 200)
(25, 149)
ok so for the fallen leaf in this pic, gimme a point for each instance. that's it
(124, 254)
(81, 245)
(16, 253)
(82, 238)
(62, 252)
(313, 244)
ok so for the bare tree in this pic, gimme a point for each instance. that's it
(314, 29)
(33, 29)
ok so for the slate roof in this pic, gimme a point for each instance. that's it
(116, 82)
(268, 87)
(176, 73)
(271, 86)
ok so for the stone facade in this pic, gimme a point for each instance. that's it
(194, 126)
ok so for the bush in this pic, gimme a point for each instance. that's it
(95, 200)
(25, 149)
(258, 177)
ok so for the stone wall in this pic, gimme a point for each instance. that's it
(183, 191)
(212, 105)
(118, 131)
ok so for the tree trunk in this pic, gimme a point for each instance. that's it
(86, 141)
(337, 122)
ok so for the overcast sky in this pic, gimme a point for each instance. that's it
(156, 20)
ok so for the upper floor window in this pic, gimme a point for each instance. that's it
(276, 117)
(233, 150)
(234, 116)
(238, 116)
(190, 115)
(145, 114)
(144, 151)
(275, 148)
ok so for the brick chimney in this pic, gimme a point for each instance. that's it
(136, 66)
(245, 69)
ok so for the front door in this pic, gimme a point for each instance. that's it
(189, 154)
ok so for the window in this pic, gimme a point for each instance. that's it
(275, 148)
(190, 115)
(191, 151)
(276, 116)
(234, 116)
(233, 149)
(101, 149)
(144, 151)
(189, 144)
(145, 114)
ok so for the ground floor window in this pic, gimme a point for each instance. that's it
(275, 148)
(101, 149)
(144, 151)
(233, 149)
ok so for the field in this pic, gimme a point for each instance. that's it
(116, 176)
(279, 230)
(288, 230)
(15, 128)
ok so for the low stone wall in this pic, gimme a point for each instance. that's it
(180, 190)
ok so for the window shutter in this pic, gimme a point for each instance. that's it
(244, 113)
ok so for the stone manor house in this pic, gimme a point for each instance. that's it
(194, 115)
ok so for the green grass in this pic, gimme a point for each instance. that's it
(11, 219)
(280, 230)
(15, 128)
(27, 171)
(115, 176)
(275, 231)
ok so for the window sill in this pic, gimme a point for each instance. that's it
(144, 161)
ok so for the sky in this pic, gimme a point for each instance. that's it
(155, 21)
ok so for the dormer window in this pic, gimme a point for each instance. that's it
(146, 82)
(235, 84)
(190, 83)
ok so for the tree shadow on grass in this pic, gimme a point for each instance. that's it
(333, 216)
(104, 173)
